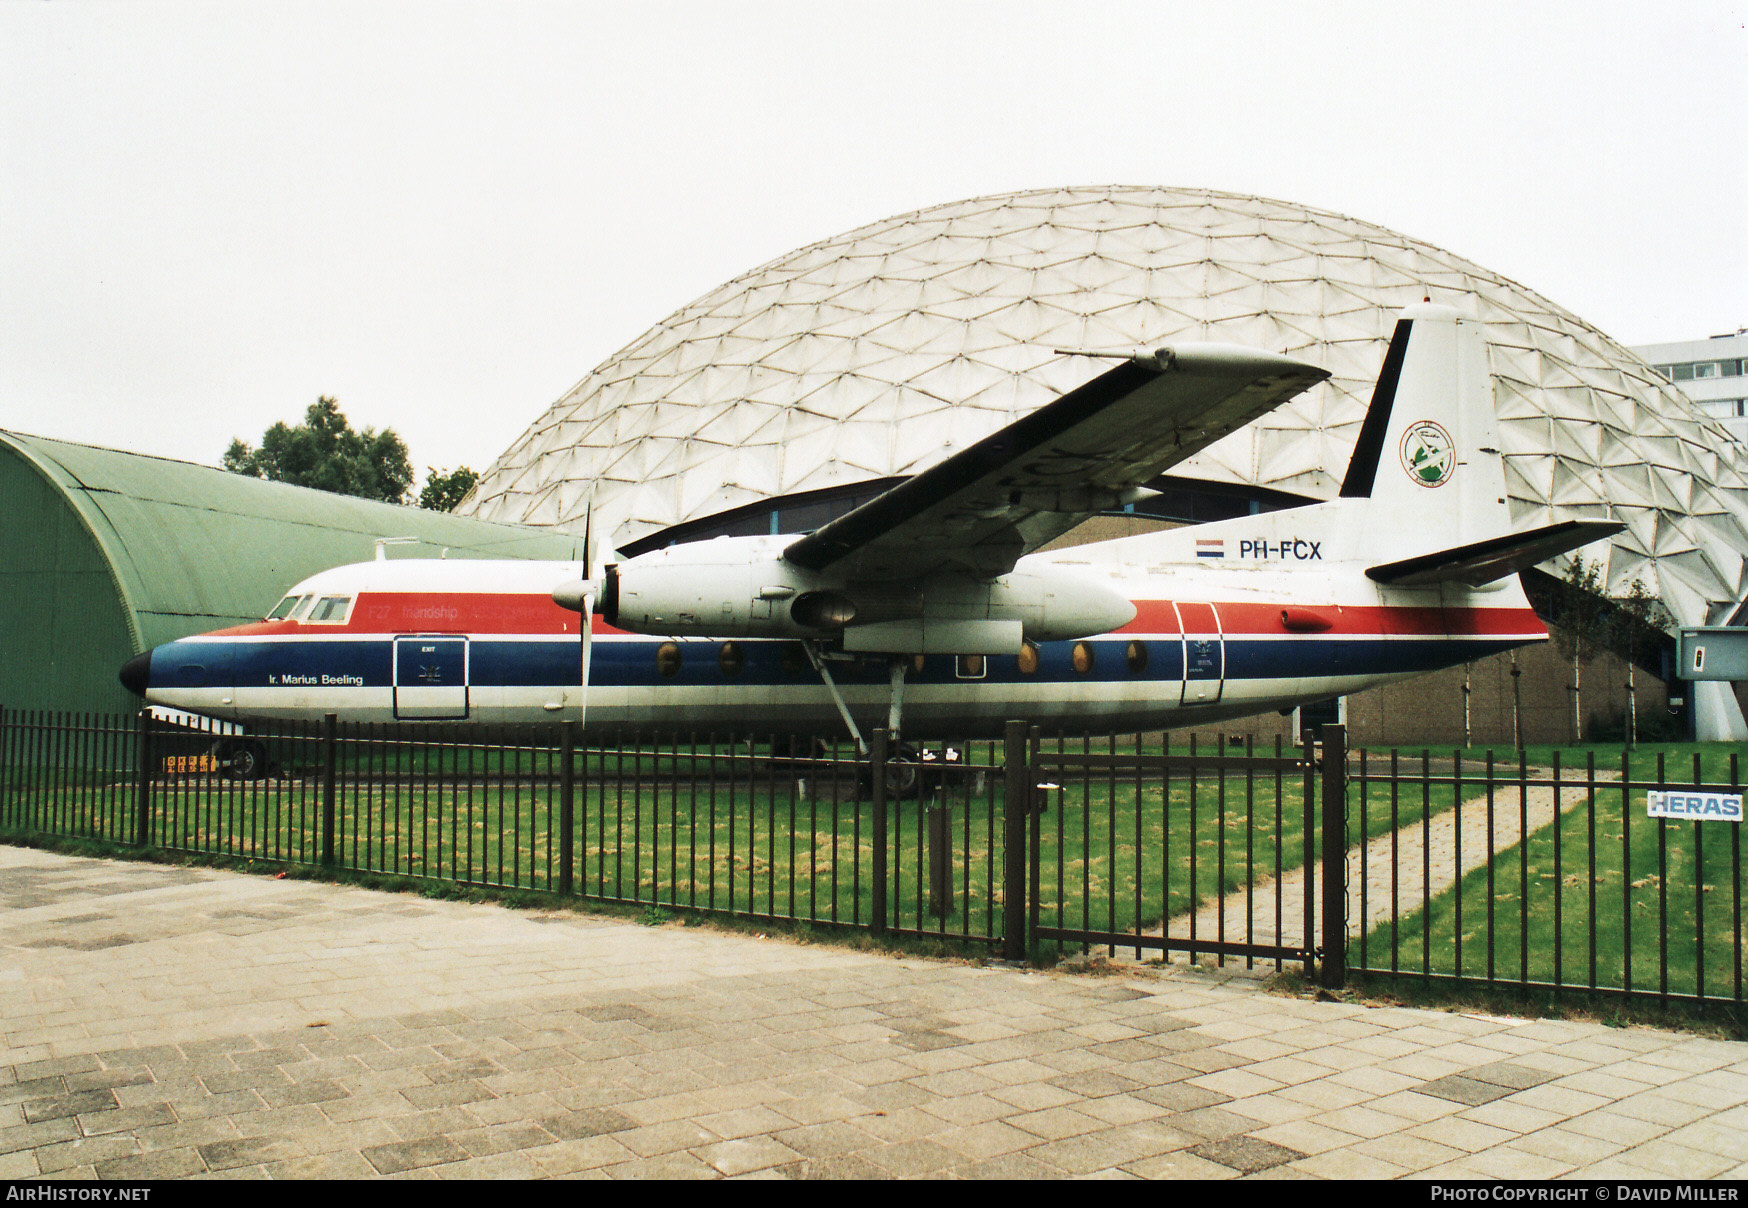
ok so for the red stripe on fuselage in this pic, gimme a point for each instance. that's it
(1256, 620)
(438, 612)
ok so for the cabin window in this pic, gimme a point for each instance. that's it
(1137, 656)
(668, 659)
(1083, 658)
(971, 666)
(330, 610)
(1029, 658)
(284, 607)
(917, 663)
(792, 658)
(731, 659)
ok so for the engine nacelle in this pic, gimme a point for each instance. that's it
(730, 587)
(742, 587)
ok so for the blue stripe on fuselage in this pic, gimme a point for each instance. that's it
(512, 663)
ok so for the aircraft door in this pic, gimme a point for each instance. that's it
(430, 678)
(1204, 653)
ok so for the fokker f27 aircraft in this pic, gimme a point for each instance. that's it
(929, 606)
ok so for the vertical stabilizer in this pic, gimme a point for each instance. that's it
(1428, 452)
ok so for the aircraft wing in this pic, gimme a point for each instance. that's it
(1485, 561)
(984, 507)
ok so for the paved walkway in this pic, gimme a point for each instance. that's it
(1387, 877)
(173, 1022)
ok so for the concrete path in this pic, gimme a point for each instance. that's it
(1388, 877)
(171, 1022)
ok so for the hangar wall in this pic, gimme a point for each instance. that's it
(105, 553)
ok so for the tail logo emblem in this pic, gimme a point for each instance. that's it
(1428, 454)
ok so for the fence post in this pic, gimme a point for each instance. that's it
(567, 789)
(330, 723)
(1017, 794)
(877, 752)
(143, 788)
(1334, 968)
(940, 861)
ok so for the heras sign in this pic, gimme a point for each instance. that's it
(1698, 804)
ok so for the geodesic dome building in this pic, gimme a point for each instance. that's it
(791, 392)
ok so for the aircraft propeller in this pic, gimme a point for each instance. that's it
(580, 597)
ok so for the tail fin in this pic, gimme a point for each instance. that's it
(1428, 451)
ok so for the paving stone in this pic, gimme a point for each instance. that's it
(413, 1155)
(248, 1151)
(1348, 1164)
(1460, 1088)
(1007, 1168)
(1182, 1097)
(746, 1154)
(1212, 1123)
(126, 1119)
(150, 1167)
(84, 1151)
(36, 1110)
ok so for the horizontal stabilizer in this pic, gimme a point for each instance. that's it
(1484, 561)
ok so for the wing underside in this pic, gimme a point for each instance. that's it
(980, 510)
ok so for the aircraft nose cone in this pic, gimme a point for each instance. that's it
(136, 673)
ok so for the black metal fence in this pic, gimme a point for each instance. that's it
(1549, 877)
(1210, 851)
(757, 827)
(1438, 867)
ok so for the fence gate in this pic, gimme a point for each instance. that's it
(1207, 851)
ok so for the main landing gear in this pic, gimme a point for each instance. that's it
(241, 758)
(910, 770)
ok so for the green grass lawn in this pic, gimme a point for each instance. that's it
(1119, 852)
(1607, 897)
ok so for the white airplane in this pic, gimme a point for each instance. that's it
(929, 607)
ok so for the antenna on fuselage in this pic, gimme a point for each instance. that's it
(382, 544)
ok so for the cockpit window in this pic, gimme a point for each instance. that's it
(284, 607)
(329, 610)
(303, 607)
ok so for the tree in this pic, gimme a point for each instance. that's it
(1581, 626)
(444, 488)
(1587, 622)
(1637, 629)
(325, 453)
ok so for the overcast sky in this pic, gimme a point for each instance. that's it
(445, 214)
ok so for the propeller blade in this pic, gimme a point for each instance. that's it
(588, 610)
(588, 650)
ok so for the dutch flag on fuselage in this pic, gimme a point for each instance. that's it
(1211, 547)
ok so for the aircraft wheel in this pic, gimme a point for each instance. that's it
(241, 759)
(903, 772)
